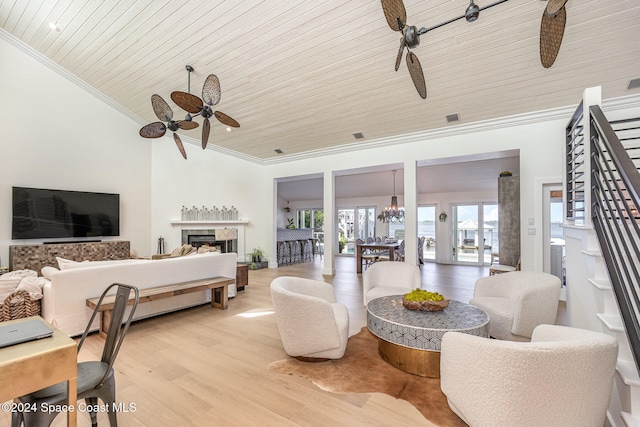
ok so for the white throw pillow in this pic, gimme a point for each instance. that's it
(67, 264)
(49, 271)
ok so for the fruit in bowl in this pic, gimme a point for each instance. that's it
(421, 299)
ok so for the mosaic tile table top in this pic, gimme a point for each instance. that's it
(389, 320)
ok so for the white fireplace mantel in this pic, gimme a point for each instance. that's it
(179, 226)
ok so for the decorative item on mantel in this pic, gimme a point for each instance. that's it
(206, 214)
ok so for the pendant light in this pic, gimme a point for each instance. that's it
(392, 213)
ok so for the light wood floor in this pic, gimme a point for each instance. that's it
(204, 366)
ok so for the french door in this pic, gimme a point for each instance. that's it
(427, 229)
(475, 233)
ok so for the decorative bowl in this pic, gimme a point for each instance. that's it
(425, 305)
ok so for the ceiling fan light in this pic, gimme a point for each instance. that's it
(472, 12)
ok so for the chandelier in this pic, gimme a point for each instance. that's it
(392, 213)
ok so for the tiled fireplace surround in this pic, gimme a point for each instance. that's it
(183, 229)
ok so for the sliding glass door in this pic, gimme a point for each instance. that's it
(366, 226)
(475, 233)
(465, 234)
(427, 229)
(346, 231)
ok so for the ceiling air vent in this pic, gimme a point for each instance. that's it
(358, 135)
(452, 117)
(634, 83)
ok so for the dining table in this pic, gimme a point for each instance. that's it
(376, 246)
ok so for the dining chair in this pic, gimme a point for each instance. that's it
(95, 378)
(368, 257)
(421, 241)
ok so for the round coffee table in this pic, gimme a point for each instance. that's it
(410, 339)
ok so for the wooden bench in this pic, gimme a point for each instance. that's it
(219, 296)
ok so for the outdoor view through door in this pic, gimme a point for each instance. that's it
(314, 219)
(352, 226)
(427, 229)
(475, 233)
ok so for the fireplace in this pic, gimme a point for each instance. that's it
(197, 240)
(215, 233)
(225, 239)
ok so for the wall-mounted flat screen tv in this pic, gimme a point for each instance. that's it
(40, 213)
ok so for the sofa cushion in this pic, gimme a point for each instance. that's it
(49, 271)
(66, 264)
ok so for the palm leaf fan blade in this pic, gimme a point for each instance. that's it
(551, 33)
(400, 52)
(211, 91)
(416, 74)
(224, 119)
(176, 138)
(187, 102)
(206, 127)
(188, 125)
(161, 108)
(393, 11)
(153, 130)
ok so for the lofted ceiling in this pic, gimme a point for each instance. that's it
(303, 76)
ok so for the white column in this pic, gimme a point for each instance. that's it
(330, 218)
(411, 212)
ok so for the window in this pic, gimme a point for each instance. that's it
(427, 229)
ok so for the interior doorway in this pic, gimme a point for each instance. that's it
(553, 235)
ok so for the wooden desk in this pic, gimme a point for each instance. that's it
(31, 366)
(391, 247)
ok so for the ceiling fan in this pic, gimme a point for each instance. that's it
(194, 106)
(165, 114)
(211, 94)
(396, 15)
(554, 19)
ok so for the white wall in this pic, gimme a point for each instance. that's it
(55, 134)
(207, 178)
(541, 154)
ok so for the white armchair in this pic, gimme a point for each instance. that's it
(389, 278)
(517, 302)
(311, 323)
(563, 377)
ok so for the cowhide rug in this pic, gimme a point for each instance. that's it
(362, 370)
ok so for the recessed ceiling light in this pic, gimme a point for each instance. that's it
(634, 83)
(452, 117)
(54, 26)
(229, 129)
(358, 135)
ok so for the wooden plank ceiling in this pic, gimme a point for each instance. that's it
(305, 75)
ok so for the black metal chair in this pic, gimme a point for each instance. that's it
(95, 378)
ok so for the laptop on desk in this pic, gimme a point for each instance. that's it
(20, 332)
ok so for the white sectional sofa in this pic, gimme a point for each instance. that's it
(66, 292)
